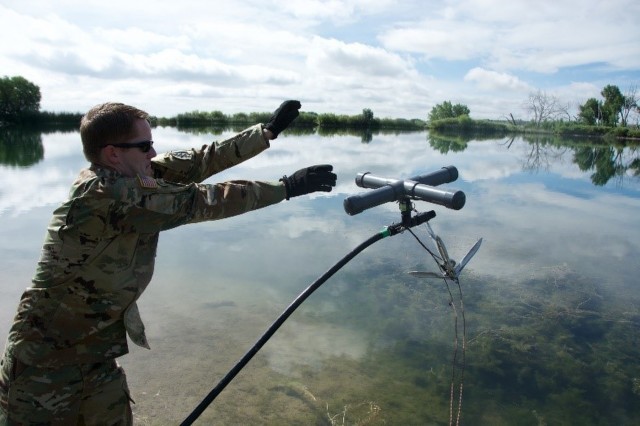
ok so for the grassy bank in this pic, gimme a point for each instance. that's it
(467, 125)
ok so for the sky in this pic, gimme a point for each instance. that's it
(397, 58)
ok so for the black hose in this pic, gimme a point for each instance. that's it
(281, 319)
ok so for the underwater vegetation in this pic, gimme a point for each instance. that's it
(560, 349)
(552, 349)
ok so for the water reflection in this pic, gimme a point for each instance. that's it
(605, 160)
(20, 147)
(551, 297)
(608, 162)
(365, 135)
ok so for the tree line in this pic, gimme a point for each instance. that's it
(20, 104)
(310, 120)
(614, 109)
(547, 114)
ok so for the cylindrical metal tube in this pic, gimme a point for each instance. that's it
(360, 202)
(444, 175)
(451, 199)
(418, 187)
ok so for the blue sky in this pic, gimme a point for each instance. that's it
(397, 58)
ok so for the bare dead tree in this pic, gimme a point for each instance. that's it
(629, 104)
(543, 107)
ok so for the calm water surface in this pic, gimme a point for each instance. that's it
(551, 300)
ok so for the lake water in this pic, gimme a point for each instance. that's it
(551, 300)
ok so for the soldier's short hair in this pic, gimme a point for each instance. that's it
(110, 122)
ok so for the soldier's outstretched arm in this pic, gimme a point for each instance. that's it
(196, 165)
(134, 206)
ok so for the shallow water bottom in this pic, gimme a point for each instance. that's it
(553, 349)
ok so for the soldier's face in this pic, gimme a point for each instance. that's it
(133, 161)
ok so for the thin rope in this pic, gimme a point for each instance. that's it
(456, 342)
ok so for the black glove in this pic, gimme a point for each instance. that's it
(311, 179)
(283, 116)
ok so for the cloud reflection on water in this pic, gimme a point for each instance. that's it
(531, 220)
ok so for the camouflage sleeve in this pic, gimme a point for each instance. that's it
(160, 205)
(196, 165)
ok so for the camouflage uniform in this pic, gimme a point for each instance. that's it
(97, 259)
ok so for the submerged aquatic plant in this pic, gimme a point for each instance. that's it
(555, 348)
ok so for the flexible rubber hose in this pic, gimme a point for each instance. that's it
(274, 327)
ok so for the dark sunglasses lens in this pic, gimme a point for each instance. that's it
(143, 146)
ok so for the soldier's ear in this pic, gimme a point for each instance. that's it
(110, 155)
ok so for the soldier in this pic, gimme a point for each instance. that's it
(59, 364)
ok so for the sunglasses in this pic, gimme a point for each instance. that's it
(145, 146)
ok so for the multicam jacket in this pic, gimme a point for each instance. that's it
(99, 252)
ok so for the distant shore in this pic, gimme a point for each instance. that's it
(329, 123)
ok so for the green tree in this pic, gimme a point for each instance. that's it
(460, 110)
(612, 106)
(217, 117)
(367, 117)
(328, 120)
(19, 99)
(240, 117)
(591, 112)
(448, 110)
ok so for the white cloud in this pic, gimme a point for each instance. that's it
(399, 59)
(439, 39)
(488, 80)
(355, 60)
(522, 36)
(340, 12)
